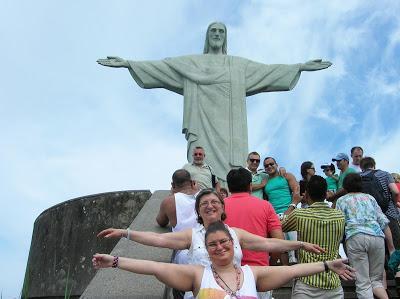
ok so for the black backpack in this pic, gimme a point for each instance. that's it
(371, 186)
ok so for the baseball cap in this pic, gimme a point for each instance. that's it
(341, 156)
(328, 165)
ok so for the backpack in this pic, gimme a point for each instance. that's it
(213, 177)
(371, 186)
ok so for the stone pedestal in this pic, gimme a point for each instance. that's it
(64, 240)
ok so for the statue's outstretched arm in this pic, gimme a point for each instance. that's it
(113, 61)
(315, 65)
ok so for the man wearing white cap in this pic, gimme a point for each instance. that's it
(342, 162)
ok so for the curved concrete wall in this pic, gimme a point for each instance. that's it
(64, 240)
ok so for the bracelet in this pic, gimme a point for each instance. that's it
(128, 233)
(301, 245)
(115, 262)
(326, 266)
(293, 205)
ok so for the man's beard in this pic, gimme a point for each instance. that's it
(198, 162)
(216, 44)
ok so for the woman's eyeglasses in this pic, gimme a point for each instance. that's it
(213, 245)
(269, 164)
(213, 203)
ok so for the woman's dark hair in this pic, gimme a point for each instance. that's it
(333, 169)
(197, 203)
(304, 167)
(352, 183)
(217, 226)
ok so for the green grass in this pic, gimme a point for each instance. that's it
(67, 293)
(25, 287)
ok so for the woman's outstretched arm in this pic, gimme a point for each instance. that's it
(268, 278)
(253, 242)
(181, 277)
(174, 240)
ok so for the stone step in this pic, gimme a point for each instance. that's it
(348, 288)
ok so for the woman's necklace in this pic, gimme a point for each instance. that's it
(226, 288)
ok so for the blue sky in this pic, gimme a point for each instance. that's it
(70, 127)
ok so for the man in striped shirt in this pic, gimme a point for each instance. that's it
(318, 224)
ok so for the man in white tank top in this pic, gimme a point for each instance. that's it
(177, 209)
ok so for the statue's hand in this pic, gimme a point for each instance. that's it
(315, 65)
(113, 61)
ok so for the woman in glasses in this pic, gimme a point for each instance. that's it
(209, 208)
(223, 277)
(307, 170)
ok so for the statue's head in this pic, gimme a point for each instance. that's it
(216, 38)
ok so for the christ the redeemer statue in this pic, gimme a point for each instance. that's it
(214, 86)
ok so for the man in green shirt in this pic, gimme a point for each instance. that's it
(321, 225)
(259, 178)
(342, 163)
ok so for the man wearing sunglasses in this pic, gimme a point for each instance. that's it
(259, 178)
(342, 163)
(283, 194)
(201, 172)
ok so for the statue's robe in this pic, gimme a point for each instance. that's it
(214, 89)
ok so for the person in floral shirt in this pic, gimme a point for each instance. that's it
(366, 227)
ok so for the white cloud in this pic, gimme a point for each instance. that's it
(384, 152)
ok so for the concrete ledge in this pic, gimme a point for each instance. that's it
(64, 239)
(115, 283)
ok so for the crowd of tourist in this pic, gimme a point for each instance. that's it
(266, 229)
